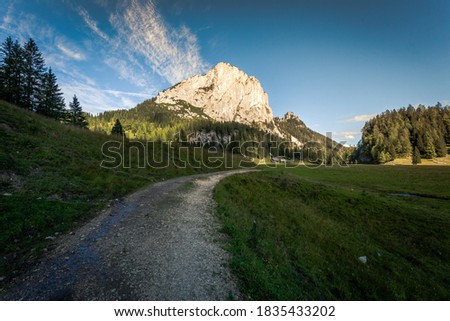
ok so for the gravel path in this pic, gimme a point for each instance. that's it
(160, 243)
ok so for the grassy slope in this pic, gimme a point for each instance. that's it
(53, 174)
(298, 233)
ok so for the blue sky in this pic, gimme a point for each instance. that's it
(333, 62)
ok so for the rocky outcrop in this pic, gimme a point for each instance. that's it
(225, 93)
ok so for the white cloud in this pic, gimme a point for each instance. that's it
(92, 24)
(359, 119)
(7, 18)
(73, 53)
(142, 49)
(173, 54)
(126, 93)
(95, 100)
(125, 71)
(347, 134)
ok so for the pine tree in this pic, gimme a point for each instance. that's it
(51, 100)
(117, 128)
(430, 151)
(75, 114)
(11, 72)
(6, 69)
(34, 70)
(416, 159)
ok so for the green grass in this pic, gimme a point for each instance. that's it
(297, 234)
(51, 180)
(422, 180)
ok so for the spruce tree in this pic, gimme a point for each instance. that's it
(34, 69)
(11, 72)
(117, 128)
(51, 100)
(6, 69)
(416, 159)
(430, 151)
(75, 114)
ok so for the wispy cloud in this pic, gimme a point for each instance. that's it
(70, 51)
(92, 24)
(118, 93)
(135, 42)
(125, 71)
(7, 18)
(92, 96)
(359, 119)
(99, 100)
(173, 54)
(144, 45)
(23, 25)
(63, 56)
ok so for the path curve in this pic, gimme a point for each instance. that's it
(160, 243)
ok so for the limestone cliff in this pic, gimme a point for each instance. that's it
(225, 93)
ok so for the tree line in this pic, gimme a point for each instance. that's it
(151, 121)
(154, 122)
(422, 132)
(26, 82)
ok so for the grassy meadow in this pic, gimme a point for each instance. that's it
(298, 233)
(51, 180)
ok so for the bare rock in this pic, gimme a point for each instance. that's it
(225, 93)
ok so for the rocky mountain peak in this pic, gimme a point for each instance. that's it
(291, 115)
(225, 93)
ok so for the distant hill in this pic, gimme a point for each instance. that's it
(408, 132)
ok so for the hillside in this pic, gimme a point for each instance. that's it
(293, 128)
(152, 121)
(408, 132)
(51, 178)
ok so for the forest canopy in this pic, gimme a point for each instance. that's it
(422, 132)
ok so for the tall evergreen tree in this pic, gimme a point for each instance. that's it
(51, 100)
(11, 72)
(6, 69)
(75, 113)
(416, 159)
(34, 70)
(117, 128)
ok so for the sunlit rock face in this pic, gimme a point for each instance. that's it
(225, 93)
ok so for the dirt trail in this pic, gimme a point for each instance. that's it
(160, 243)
